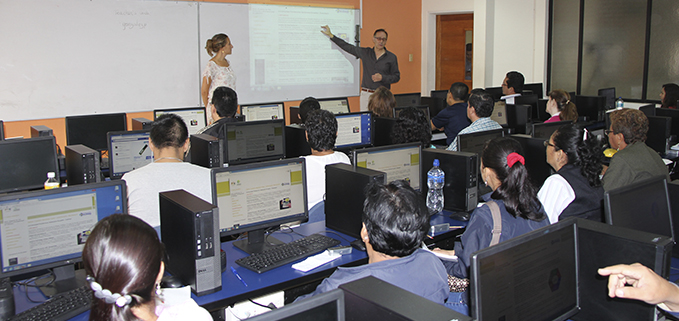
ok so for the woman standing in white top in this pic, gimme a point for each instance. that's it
(218, 71)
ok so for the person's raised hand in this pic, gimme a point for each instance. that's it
(326, 31)
(640, 283)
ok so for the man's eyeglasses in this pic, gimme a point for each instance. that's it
(608, 132)
(380, 39)
(547, 143)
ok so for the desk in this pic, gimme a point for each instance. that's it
(278, 279)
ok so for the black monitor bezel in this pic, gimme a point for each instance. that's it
(604, 90)
(668, 112)
(262, 104)
(239, 161)
(461, 137)
(631, 188)
(398, 97)
(556, 124)
(92, 119)
(73, 257)
(354, 156)
(372, 131)
(291, 310)
(474, 269)
(29, 141)
(253, 166)
(112, 174)
(336, 98)
(424, 108)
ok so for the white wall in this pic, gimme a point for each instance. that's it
(508, 35)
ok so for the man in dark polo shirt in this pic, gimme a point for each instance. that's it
(453, 118)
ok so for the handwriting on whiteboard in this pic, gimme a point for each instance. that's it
(133, 25)
(131, 13)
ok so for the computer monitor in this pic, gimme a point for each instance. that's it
(47, 229)
(545, 130)
(90, 130)
(535, 89)
(589, 107)
(254, 141)
(263, 111)
(475, 142)
(648, 110)
(542, 110)
(674, 113)
(659, 131)
(530, 277)
(295, 118)
(128, 151)
(423, 108)
(436, 104)
(535, 155)
(338, 105)
(643, 206)
(25, 163)
(495, 92)
(399, 162)
(405, 100)
(500, 112)
(609, 94)
(531, 100)
(519, 117)
(439, 94)
(325, 306)
(257, 196)
(194, 117)
(354, 130)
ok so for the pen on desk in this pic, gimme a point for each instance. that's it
(456, 227)
(238, 276)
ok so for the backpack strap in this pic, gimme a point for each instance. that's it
(497, 222)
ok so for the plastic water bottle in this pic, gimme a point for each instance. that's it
(619, 103)
(435, 182)
(51, 181)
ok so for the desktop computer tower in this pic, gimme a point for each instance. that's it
(206, 151)
(189, 228)
(2, 130)
(344, 196)
(460, 192)
(295, 141)
(41, 130)
(141, 123)
(82, 165)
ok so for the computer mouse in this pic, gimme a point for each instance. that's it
(358, 244)
(170, 281)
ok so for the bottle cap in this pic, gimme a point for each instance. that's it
(50, 175)
(436, 162)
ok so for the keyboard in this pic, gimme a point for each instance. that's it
(60, 307)
(286, 253)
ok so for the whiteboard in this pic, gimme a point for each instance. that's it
(70, 57)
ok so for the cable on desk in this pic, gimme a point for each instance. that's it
(271, 306)
(333, 232)
(31, 283)
(291, 230)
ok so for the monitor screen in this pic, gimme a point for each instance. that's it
(263, 111)
(659, 130)
(530, 277)
(128, 151)
(545, 130)
(424, 109)
(399, 162)
(254, 141)
(535, 89)
(254, 197)
(405, 100)
(499, 112)
(495, 92)
(609, 93)
(335, 105)
(354, 130)
(643, 206)
(90, 130)
(439, 93)
(25, 163)
(325, 306)
(48, 228)
(589, 107)
(674, 113)
(194, 117)
(475, 142)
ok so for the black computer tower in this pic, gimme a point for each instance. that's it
(206, 151)
(519, 118)
(460, 192)
(2, 130)
(344, 196)
(370, 298)
(41, 130)
(383, 128)
(189, 228)
(82, 165)
(141, 123)
(296, 144)
(601, 245)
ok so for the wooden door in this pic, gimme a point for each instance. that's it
(452, 35)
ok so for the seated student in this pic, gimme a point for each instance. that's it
(575, 189)
(124, 262)
(479, 110)
(225, 102)
(453, 118)
(560, 107)
(411, 126)
(669, 94)
(395, 221)
(321, 133)
(306, 106)
(503, 170)
(512, 86)
(382, 102)
(169, 139)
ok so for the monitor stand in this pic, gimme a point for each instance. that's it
(257, 242)
(66, 279)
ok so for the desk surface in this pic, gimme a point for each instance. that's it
(278, 279)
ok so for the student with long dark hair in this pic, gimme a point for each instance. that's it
(669, 94)
(123, 258)
(575, 189)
